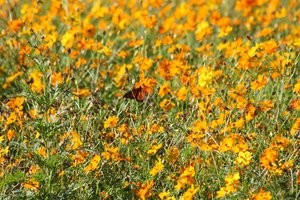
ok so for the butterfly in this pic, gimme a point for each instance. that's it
(136, 93)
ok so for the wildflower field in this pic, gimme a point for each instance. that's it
(150, 99)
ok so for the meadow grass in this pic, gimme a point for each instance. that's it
(214, 115)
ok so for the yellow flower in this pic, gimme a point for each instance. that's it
(93, 164)
(244, 158)
(11, 118)
(81, 92)
(154, 149)
(181, 94)
(159, 166)
(189, 194)
(203, 29)
(165, 196)
(164, 89)
(42, 152)
(205, 77)
(225, 31)
(166, 105)
(296, 88)
(67, 39)
(262, 195)
(232, 181)
(186, 177)
(74, 138)
(36, 78)
(111, 153)
(296, 127)
(76, 141)
(11, 79)
(111, 122)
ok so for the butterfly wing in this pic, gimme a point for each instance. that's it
(137, 93)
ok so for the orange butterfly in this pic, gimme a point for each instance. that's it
(137, 93)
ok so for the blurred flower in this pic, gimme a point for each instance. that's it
(295, 127)
(166, 196)
(81, 92)
(145, 190)
(36, 84)
(153, 149)
(189, 194)
(31, 184)
(11, 79)
(93, 164)
(262, 195)
(244, 158)
(10, 134)
(231, 184)
(166, 105)
(164, 89)
(111, 122)
(259, 83)
(159, 166)
(186, 177)
(182, 93)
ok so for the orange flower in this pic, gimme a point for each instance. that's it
(75, 140)
(167, 69)
(10, 134)
(194, 139)
(234, 143)
(15, 25)
(74, 137)
(259, 83)
(31, 184)
(268, 159)
(56, 78)
(266, 105)
(147, 84)
(16, 103)
(81, 92)
(79, 157)
(269, 46)
(145, 190)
